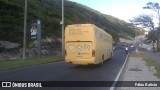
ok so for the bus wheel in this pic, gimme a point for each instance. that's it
(102, 59)
(111, 56)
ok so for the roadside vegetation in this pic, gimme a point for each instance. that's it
(11, 64)
(149, 61)
(49, 12)
(148, 21)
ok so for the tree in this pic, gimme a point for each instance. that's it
(151, 38)
(146, 21)
(156, 8)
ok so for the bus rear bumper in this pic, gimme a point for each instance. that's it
(81, 61)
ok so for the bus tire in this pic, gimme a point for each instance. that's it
(102, 59)
(111, 56)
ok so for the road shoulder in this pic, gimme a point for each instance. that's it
(137, 70)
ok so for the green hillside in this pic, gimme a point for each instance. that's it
(49, 12)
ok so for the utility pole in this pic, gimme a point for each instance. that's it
(158, 37)
(24, 36)
(39, 37)
(62, 27)
(136, 42)
(136, 39)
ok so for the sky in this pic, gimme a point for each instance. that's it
(122, 9)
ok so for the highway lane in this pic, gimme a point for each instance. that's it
(61, 71)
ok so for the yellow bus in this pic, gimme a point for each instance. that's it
(87, 44)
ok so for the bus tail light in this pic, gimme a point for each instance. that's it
(93, 53)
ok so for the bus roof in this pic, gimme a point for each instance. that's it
(87, 25)
(84, 25)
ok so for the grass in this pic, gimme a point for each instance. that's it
(158, 53)
(134, 54)
(149, 61)
(11, 64)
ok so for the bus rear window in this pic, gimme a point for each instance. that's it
(78, 31)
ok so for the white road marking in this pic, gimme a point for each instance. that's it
(117, 77)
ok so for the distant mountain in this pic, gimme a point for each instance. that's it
(49, 12)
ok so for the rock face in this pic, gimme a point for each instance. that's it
(11, 51)
(11, 54)
(8, 45)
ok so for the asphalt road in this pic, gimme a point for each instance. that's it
(61, 71)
